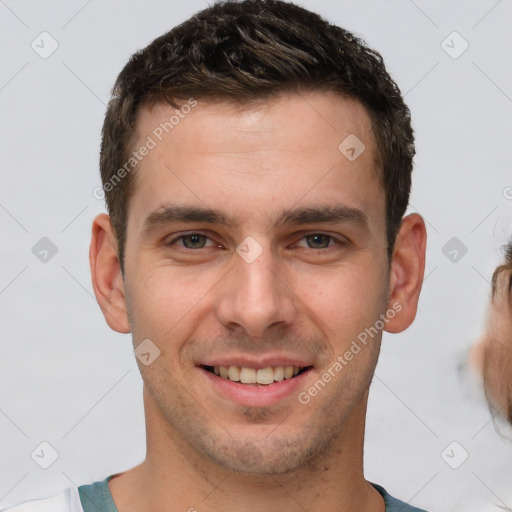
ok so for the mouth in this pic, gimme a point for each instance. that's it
(256, 376)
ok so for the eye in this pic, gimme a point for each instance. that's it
(191, 241)
(320, 241)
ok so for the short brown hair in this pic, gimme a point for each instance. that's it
(251, 50)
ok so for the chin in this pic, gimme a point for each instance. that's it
(267, 456)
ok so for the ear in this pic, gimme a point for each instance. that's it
(107, 279)
(407, 270)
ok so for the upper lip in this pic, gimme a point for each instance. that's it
(263, 361)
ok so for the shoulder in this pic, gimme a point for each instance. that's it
(394, 505)
(67, 500)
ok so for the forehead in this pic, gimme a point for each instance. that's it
(299, 119)
(293, 148)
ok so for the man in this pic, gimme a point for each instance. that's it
(256, 162)
(492, 355)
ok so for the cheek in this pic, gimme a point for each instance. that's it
(346, 300)
(497, 354)
(162, 298)
(498, 370)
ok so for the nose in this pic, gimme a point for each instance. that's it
(255, 297)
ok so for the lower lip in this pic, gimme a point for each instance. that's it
(255, 396)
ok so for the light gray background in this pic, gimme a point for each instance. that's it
(67, 379)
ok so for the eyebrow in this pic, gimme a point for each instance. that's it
(316, 214)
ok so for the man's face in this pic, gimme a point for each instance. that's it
(269, 289)
(493, 354)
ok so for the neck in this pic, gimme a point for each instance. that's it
(173, 472)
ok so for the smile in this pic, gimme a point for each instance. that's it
(261, 376)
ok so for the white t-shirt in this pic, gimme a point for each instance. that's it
(66, 501)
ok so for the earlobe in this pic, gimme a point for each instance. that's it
(407, 271)
(107, 279)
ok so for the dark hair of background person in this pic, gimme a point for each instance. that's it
(247, 52)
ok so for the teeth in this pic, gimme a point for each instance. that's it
(234, 373)
(247, 375)
(263, 376)
(279, 373)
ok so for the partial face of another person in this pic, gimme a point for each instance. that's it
(254, 243)
(492, 356)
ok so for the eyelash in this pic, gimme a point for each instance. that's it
(338, 241)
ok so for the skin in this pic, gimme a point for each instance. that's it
(203, 449)
(491, 356)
